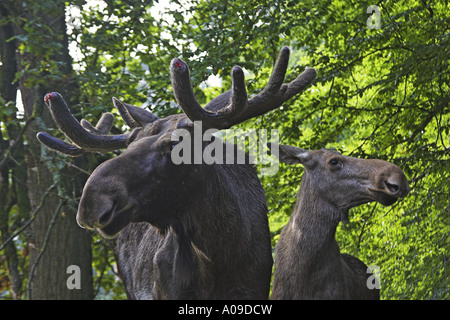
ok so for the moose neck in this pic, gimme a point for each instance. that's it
(307, 259)
(313, 225)
(313, 213)
(212, 223)
(208, 213)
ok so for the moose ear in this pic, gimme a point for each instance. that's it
(289, 154)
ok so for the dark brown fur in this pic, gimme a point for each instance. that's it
(196, 231)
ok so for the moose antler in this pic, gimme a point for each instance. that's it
(84, 136)
(229, 108)
(233, 107)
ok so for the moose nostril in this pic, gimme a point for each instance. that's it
(393, 188)
(105, 217)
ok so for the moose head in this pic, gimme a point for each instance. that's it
(347, 182)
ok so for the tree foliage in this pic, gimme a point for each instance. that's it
(380, 93)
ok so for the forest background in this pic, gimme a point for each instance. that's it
(382, 91)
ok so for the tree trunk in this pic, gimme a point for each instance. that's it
(60, 252)
(7, 196)
(59, 243)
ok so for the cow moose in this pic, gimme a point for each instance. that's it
(186, 231)
(308, 262)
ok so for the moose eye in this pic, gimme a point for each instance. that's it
(334, 162)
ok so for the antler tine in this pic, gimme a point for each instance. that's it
(233, 107)
(59, 145)
(83, 139)
(276, 92)
(103, 126)
(183, 91)
(238, 99)
(227, 104)
(279, 71)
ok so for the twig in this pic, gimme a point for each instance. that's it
(78, 168)
(15, 142)
(33, 216)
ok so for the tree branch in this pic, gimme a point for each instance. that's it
(428, 119)
(15, 142)
(33, 216)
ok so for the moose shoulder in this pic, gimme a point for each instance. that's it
(187, 231)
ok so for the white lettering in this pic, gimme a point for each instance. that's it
(374, 21)
(205, 311)
(74, 280)
(373, 281)
(255, 141)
